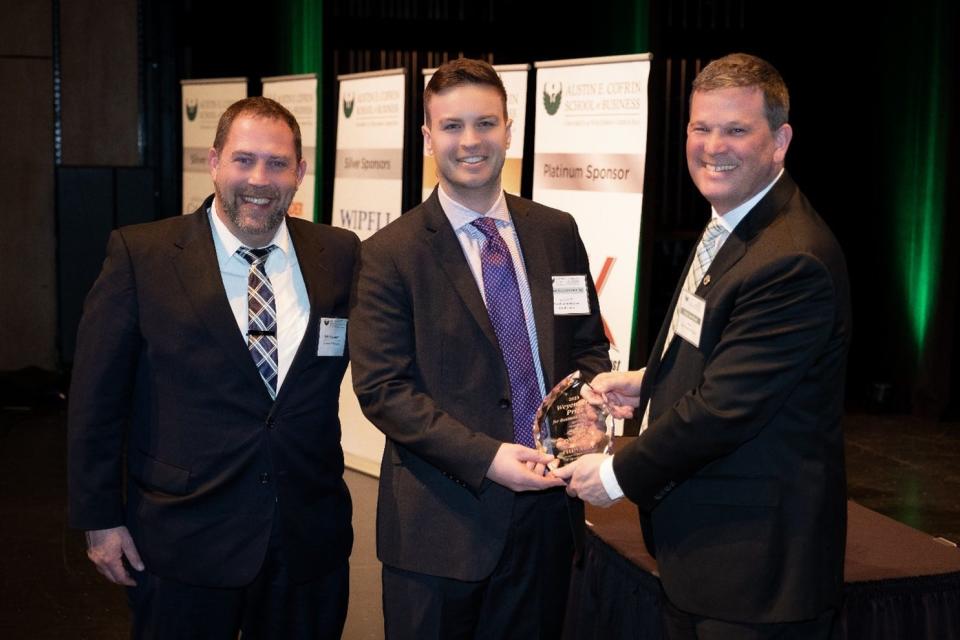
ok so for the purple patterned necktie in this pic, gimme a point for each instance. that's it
(506, 314)
(261, 316)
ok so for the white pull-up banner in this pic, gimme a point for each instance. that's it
(368, 178)
(367, 195)
(590, 147)
(299, 95)
(514, 77)
(203, 102)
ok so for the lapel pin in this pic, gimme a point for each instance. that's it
(706, 279)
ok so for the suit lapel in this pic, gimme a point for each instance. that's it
(733, 249)
(758, 219)
(198, 271)
(537, 262)
(312, 261)
(730, 253)
(442, 239)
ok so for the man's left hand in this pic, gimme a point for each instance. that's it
(583, 479)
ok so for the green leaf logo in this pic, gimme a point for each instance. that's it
(192, 107)
(552, 95)
(348, 101)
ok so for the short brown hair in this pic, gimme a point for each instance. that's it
(454, 73)
(744, 70)
(257, 107)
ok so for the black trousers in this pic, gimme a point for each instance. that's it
(524, 597)
(269, 607)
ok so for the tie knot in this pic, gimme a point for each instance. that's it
(487, 226)
(712, 234)
(714, 230)
(255, 256)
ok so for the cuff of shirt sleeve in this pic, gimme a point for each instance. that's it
(609, 479)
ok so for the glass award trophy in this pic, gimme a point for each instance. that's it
(567, 426)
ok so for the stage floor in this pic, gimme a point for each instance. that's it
(898, 466)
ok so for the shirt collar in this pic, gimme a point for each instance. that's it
(230, 243)
(461, 216)
(732, 218)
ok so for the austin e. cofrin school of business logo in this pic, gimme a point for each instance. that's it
(192, 105)
(348, 101)
(552, 94)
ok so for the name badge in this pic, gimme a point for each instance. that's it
(333, 337)
(570, 296)
(690, 317)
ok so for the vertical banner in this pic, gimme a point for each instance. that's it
(204, 101)
(368, 175)
(299, 95)
(589, 153)
(514, 77)
(367, 195)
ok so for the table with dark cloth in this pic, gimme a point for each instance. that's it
(898, 582)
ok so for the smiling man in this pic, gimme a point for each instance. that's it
(738, 472)
(206, 355)
(454, 340)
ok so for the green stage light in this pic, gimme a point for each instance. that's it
(922, 120)
(304, 34)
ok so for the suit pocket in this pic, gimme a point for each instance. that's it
(738, 492)
(154, 475)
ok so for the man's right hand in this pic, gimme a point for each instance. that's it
(106, 548)
(521, 468)
(618, 390)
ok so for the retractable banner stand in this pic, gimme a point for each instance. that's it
(299, 95)
(367, 195)
(368, 178)
(204, 101)
(590, 147)
(514, 77)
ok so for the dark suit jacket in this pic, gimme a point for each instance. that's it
(212, 462)
(429, 374)
(740, 474)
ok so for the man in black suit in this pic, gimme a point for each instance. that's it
(738, 471)
(211, 351)
(454, 339)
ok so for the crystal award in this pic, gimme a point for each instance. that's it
(567, 426)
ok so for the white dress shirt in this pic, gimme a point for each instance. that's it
(472, 240)
(289, 290)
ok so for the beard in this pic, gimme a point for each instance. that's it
(249, 224)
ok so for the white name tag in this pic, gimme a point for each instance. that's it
(690, 317)
(333, 337)
(570, 296)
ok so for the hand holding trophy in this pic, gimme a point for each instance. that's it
(567, 426)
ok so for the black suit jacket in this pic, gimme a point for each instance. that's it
(428, 373)
(213, 463)
(740, 475)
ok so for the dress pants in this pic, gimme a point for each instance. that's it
(524, 597)
(269, 607)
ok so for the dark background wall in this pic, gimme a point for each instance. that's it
(105, 73)
(26, 180)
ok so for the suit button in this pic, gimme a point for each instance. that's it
(504, 403)
(264, 478)
(270, 423)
